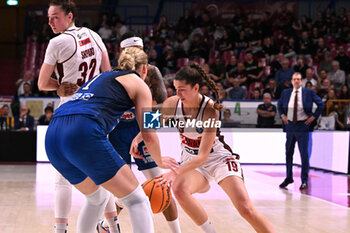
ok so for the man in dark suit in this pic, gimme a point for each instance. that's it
(24, 122)
(295, 108)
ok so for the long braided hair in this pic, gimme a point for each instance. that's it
(194, 74)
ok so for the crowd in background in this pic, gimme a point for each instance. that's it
(247, 57)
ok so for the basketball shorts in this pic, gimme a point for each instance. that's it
(121, 138)
(78, 147)
(220, 164)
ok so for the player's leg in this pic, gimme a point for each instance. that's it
(110, 224)
(63, 203)
(125, 186)
(235, 189)
(184, 186)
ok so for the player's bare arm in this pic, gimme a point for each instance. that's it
(45, 82)
(155, 81)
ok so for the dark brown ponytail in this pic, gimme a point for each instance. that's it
(211, 83)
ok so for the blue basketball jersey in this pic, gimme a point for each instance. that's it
(102, 98)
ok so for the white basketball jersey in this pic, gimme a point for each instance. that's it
(191, 137)
(76, 55)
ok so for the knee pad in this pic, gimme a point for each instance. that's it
(60, 181)
(99, 197)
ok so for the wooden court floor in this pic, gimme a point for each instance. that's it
(27, 204)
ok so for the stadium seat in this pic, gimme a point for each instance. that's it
(263, 61)
(309, 62)
(199, 60)
(292, 62)
(252, 87)
(212, 55)
(181, 62)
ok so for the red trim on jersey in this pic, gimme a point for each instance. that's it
(95, 40)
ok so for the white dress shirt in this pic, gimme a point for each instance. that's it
(301, 115)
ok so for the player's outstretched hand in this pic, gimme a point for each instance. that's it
(166, 178)
(168, 163)
(67, 89)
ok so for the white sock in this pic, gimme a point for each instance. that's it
(61, 227)
(91, 211)
(175, 226)
(113, 225)
(140, 211)
(63, 197)
(207, 227)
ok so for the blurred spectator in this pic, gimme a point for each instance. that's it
(285, 85)
(271, 88)
(241, 74)
(315, 36)
(284, 74)
(241, 43)
(266, 113)
(320, 50)
(120, 29)
(28, 77)
(268, 48)
(309, 78)
(198, 48)
(336, 76)
(320, 23)
(7, 121)
(326, 64)
(204, 90)
(226, 119)
(231, 67)
(305, 44)
(185, 23)
(344, 94)
(236, 91)
(330, 96)
(169, 62)
(346, 114)
(253, 68)
(254, 41)
(181, 45)
(24, 121)
(218, 69)
(163, 27)
(323, 87)
(276, 64)
(207, 70)
(46, 118)
(27, 88)
(224, 43)
(105, 31)
(291, 47)
(153, 59)
(338, 116)
(343, 59)
(323, 75)
(170, 91)
(301, 67)
(256, 94)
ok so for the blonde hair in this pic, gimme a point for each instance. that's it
(132, 58)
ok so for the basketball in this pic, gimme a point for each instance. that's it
(160, 198)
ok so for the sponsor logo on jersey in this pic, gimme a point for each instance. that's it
(81, 35)
(84, 42)
(128, 116)
(145, 150)
(81, 96)
(193, 143)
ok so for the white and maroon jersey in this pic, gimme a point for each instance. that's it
(191, 137)
(76, 55)
(221, 162)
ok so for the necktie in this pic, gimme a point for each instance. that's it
(295, 109)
